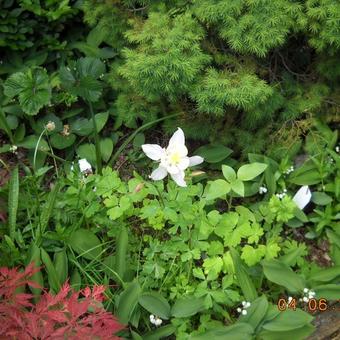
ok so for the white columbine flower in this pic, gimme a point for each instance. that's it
(173, 159)
(84, 165)
(302, 197)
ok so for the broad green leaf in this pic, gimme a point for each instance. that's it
(188, 306)
(35, 257)
(127, 302)
(87, 151)
(283, 275)
(238, 331)
(121, 252)
(238, 187)
(61, 265)
(13, 201)
(30, 142)
(160, 333)
(52, 275)
(296, 334)
(86, 244)
(243, 278)
(217, 189)
(156, 304)
(32, 88)
(106, 148)
(330, 291)
(61, 142)
(101, 119)
(213, 153)
(248, 172)
(288, 320)
(321, 198)
(308, 177)
(325, 274)
(228, 173)
(75, 280)
(256, 312)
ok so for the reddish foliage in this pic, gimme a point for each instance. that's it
(66, 315)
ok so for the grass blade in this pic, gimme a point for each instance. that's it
(13, 200)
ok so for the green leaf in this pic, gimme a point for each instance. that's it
(75, 280)
(101, 119)
(127, 302)
(86, 244)
(248, 172)
(156, 304)
(212, 267)
(326, 274)
(213, 153)
(238, 187)
(32, 88)
(243, 278)
(297, 333)
(160, 333)
(61, 265)
(238, 331)
(228, 173)
(283, 275)
(321, 198)
(307, 177)
(330, 291)
(217, 189)
(61, 142)
(87, 151)
(121, 252)
(30, 142)
(106, 148)
(13, 201)
(35, 257)
(256, 312)
(288, 320)
(188, 306)
(52, 275)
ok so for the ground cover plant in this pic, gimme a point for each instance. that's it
(169, 170)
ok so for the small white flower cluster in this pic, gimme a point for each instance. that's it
(262, 190)
(337, 148)
(307, 295)
(245, 305)
(283, 194)
(13, 149)
(155, 320)
(289, 170)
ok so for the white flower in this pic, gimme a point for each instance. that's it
(13, 148)
(50, 126)
(244, 303)
(302, 197)
(337, 149)
(152, 318)
(158, 322)
(262, 190)
(173, 159)
(247, 305)
(239, 309)
(244, 312)
(305, 299)
(84, 165)
(305, 290)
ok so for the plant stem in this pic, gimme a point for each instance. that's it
(96, 140)
(36, 149)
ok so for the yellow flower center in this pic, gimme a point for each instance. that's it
(175, 158)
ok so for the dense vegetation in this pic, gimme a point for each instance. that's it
(244, 245)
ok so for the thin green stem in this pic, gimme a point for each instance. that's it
(160, 196)
(54, 161)
(96, 140)
(36, 149)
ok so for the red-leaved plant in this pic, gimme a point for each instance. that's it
(66, 315)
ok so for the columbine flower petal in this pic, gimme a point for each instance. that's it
(84, 165)
(153, 151)
(195, 160)
(302, 197)
(183, 163)
(179, 179)
(158, 173)
(177, 138)
(172, 169)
